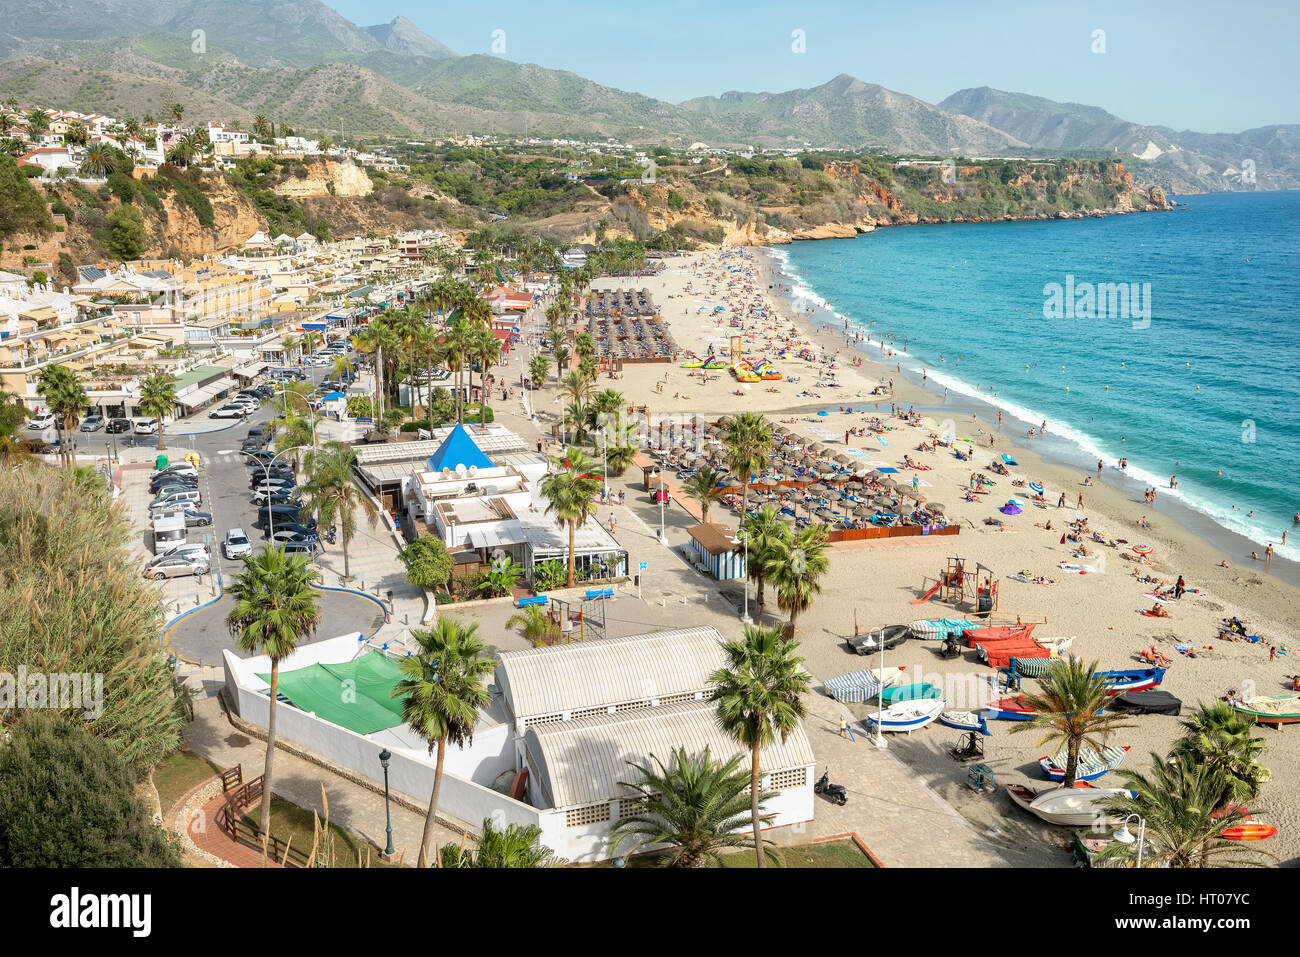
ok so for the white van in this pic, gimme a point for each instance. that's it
(168, 530)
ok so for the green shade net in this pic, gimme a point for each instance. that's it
(354, 695)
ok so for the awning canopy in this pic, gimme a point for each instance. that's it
(497, 535)
(202, 396)
(250, 370)
(316, 326)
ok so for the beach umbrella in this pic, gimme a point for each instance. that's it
(1142, 549)
(1010, 509)
(938, 507)
(734, 483)
(1016, 502)
(1035, 488)
(842, 458)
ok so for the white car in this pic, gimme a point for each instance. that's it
(175, 566)
(229, 412)
(176, 468)
(40, 423)
(146, 427)
(236, 544)
(196, 551)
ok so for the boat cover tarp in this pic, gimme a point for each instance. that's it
(1148, 702)
(999, 654)
(1032, 667)
(853, 688)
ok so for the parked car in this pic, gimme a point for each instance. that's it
(146, 427)
(118, 426)
(180, 497)
(196, 519)
(264, 391)
(175, 483)
(228, 412)
(175, 566)
(275, 497)
(284, 515)
(260, 432)
(236, 544)
(251, 445)
(92, 423)
(41, 422)
(196, 551)
(289, 532)
(176, 468)
(255, 460)
(299, 548)
(271, 477)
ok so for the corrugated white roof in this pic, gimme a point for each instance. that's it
(574, 677)
(582, 762)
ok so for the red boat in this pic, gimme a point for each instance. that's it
(997, 633)
(1245, 830)
(999, 655)
(1010, 709)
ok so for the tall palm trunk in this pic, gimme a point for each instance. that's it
(159, 421)
(379, 383)
(572, 530)
(432, 817)
(1071, 762)
(346, 572)
(753, 804)
(265, 817)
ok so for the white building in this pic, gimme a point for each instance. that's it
(564, 725)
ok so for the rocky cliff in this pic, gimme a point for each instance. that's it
(328, 178)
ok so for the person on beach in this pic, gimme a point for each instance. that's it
(1180, 586)
(1268, 555)
(1060, 502)
(1079, 507)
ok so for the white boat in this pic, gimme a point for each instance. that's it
(907, 715)
(965, 721)
(1079, 806)
(888, 676)
(1056, 645)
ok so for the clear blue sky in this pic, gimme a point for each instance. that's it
(1195, 64)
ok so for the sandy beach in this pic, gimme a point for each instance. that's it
(875, 582)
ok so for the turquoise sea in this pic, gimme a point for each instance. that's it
(1200, 375)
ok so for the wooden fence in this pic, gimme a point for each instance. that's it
(231, 821)
(900, 531)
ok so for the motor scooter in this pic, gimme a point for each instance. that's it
(833, 792)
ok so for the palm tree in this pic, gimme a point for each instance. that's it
(177, 112)
(1069, 711)
(1221, 738)
(748, 441)
(536, 625)
(95, 160)
(487, 350)
(157, 399)
(1177, 802)
(538, 367)
(561, 361)
(757, 693)
(67, 399)
(577, 387)
(571, 494)
(442, 690)
(704, 487)
(332, 494)
(796, 564)
(696, 806)
(519, 845)
(275, 607)
(769, 538)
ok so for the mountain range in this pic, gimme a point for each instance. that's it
(302, 63)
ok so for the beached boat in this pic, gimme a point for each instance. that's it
(1056, 645)
(907, 715)
(937, 629)
(1091, 764)
(1133, 679)
(965, 721)
(1000, 654)
(1147, 702)
(997, 633)
(1271, 709)
(869, 643)
(1010, 709)
(910, 693)
(1080, 806)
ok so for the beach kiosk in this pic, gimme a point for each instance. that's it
(716, 551)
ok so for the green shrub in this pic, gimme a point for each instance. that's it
(67, 800)
(428, 563)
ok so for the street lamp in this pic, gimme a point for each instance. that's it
(384, 757)
(266, 475)
(1125, 836)
(663, 537)
(743, 536)
(880, 741)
